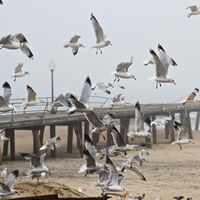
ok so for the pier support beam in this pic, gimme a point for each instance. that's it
(36, 141)
(124, 126)
(78, 132)
(185, 120)
(70, 138)
(197, 121)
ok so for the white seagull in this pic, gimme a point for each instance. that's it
(60, 101)
(5, 105)
(122, 71)
(191, 98)
(101, 38)
(6, 188)
(102, 86)
(74, 44)
(142, 126)
(81, 104)
(181, 132)
(31, 101)
(118, 100)
(161, 75)
(16, 41)
(19, 72)
(194, 10)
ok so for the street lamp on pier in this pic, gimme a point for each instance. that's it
(52, 66)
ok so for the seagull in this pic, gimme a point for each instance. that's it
(16, 41)
(181, 131)
(161, 75)
(31, 101)
(165, 59)
(89, 145)
(194, 10)
(162, 121)
(103, 86)
(81, 104)
(140, 197)
(122, 71)
(38, 168)
(142, 126)
(178, 197)
(74, 44)
(52, 144)
(6, 188)
(3, 173)
(5, 105)
(19, 72)
(191, 98)
(60, 101)
(118, 101)
(101, 38)
(140, 157)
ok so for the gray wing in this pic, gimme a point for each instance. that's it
(7, 92)
(117, 138)
(2, 102)
(110, 164)
(74, 101)
(193, 8)
(74, 39)
(89, 145)
(97, 29)
(11, 178)
(181, 130)
(123, 67)
(137, 172)
(104, 177)
(139, 121)
(160, 70)
(19, 68)
(90, 161)
(19, 37)
(86, 91)
(75, 50)
(31, 93)
(115, 178)
(62, 100)
(93, 119)
(24, 48)
(6, 39)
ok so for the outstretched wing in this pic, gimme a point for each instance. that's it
(19, 67)
(93, 119)
(7, 92)
(74, 39)
(31, 93)
(193, 8)
(11, 178)
(24, 48)
(97, 29)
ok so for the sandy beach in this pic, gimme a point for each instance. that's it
(169, 172)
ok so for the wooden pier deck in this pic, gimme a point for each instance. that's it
(36, 122)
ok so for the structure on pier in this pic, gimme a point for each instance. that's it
(76, 123)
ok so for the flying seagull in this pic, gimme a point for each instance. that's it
(194, 10)
(161, 75)
(100, 37)
(181, 132)
(74, 44)
(16, 41)
(142, 126)
(122, 71)
(102, 86)
(6, 188)
(191, 98)
(31, 100)
(5, 105)
(19, 72)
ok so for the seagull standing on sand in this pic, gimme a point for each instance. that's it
(5, 105)
(74, 44)
(6, 188)
(16, 41)
(194, 10)
(142, 126)
(122, 71)
(31, 101)
(19, 72)
(100, 37)
(181, 138)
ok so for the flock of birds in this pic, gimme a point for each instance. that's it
(109, 176)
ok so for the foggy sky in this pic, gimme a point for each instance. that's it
(133, 27)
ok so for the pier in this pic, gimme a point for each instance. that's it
(78, 125)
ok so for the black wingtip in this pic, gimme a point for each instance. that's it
(160, 47)
(15, 172)
(108, 92)
(88, 139)
(151, 51)
(6, 85)
(148, 121)
(29, 87)
(137, 105)
(196, 89)
(88, 80)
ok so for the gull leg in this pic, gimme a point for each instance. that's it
(97, 51)
(15, 79)
(160, 84)
(118, 79)
(156, 85)
(100, 50)
(115, 78)
(180, 146)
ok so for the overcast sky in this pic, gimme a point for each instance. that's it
(133, 27)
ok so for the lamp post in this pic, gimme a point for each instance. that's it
(52, 66)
